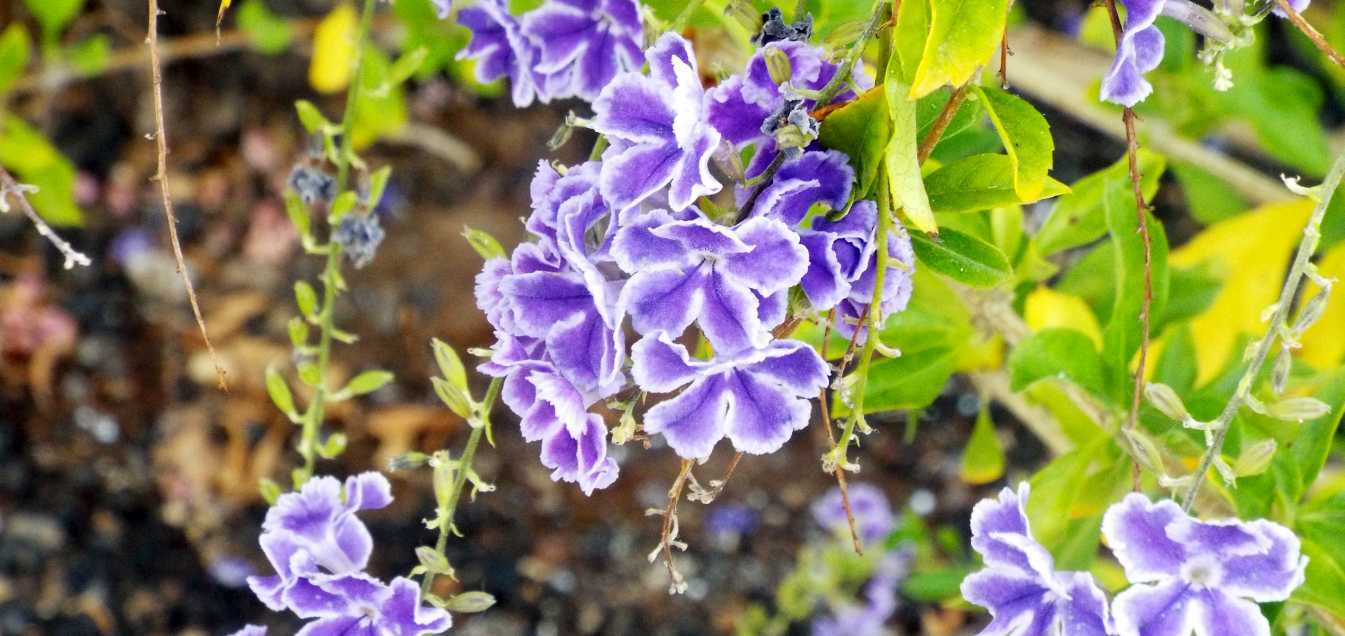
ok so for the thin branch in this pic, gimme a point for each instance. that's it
(1306, 27)
(1142, 213)
(831, 439)
(703, 495)
(668, 536)
(941, 124)
(1302, 262)
(8, 186)
(161, 139)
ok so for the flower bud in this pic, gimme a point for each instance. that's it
(778, 65)
(1298, 409)
(1163, 398)
(1255, 459)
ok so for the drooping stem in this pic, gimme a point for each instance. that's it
(464, 469)
(831, 440)
(668, 535)
(940, 124)
(331, 273)
(1146, 303)
(1312, 34)
(1278, 321)
(161, 140)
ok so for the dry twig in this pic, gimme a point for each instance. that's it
(10, 187)
(161, 138)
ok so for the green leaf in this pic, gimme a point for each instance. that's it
(407, 65)
(983, 459)
(1056, 353)
(1026, 137)
(1121, 335)
(269, 33)
(333, 446)
(935, 586)
(1176, 365)
(14, 51)
(900, 158)
(307, 298)
(1076, 486)
(298, 330)
(861, 130)
(485, 245)
(310, 374)
(450, 364)
(378, 182)
(1210, 198)
(911, 381)
(89, 56)
(963, 36)
(980, 182)
(54, 15)
(342, 205)
(1324, 582)
(1312, 443)
(312, 119)
(962, 257)
(298, 213)
(908, 38)
(381, 109)
(1080, 217)
(35, 161)
(455, 398)
(279, 390)
(270, 490)
(931, 106)
(367, 382)
(1191, 290)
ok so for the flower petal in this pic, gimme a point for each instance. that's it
(1136, 530)
(1164, 609)
(660, 365)
(692, 422)
(635, 109)
(729, 318)
(795, 366)
(777, 260)
(762, 416)
(664, 300)
(631, 173)
(1017, 603)
(1217, 614)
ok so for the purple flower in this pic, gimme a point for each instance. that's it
(250, 630)
(695, 270)
(442, 8)
(315, 531)
(1141, 46)
(814, 177)
(740, 107)
(880, 601)
(1193, 575)
(842, 263)
(1019, 585)
(554, 412)
(658, 129)
(757, 397)
(873, 515)
(360, 604)
(585, 43)
(501, 50)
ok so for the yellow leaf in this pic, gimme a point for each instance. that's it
(1251, 253)
(1323, 344)
(334, 51)
(219, 17)
(1045, 308)
(981, 354)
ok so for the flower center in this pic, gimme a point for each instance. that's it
(1203, 572)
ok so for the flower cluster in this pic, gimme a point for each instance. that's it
(875, 521)
(1188, 575)
(565, 48)
(623, 243)
(1141, 47)
(320, 549)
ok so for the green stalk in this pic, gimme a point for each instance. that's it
(331, 272)
(684, 17)
(1311, 236)
(460, 477)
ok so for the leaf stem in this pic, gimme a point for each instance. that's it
(1312, 34)
(464, 469)
(833, 87)
(831, 440)
(1278, 320)
(331, 273)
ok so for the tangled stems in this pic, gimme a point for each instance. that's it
(1278, 323)
(480, 425)
(331, 273)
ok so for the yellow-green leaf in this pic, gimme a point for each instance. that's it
(1026, 137)
(900, 158)
(1323, 346)
(963, 36)
(35, 161)
(334, 50)
(1046, 308)
(983, 459)
(14, 49)
(1250, 252)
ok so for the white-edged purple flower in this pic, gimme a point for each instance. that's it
(250, 630)
(843, 258)
(1197, 576)
(442, 8)
(873, 515)
(658, 129)
(1142, 44)
(501, 50)
(756, 397)
(1020, 587)
(360, 604)
(740, 106)
(698, 271)
(552, 411)
(879, 603)
(819, 176)
(585, 43)
(315, 531)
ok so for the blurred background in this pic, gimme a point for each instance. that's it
(129, 499)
